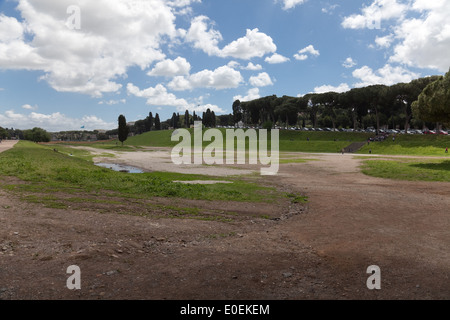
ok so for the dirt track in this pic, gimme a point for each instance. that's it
(351, 222)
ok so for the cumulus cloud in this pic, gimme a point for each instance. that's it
(53, 122)
(113, 102)
(388, 75)
(349, 63)
(276, 58)
(171, 68)
(29, 107)
(376, 13)
(114, 36)
(158, 96)
(252, 67)
(343, 87)
(252, 94)
(424, 42)
(253, 44)
(223, 77)
(261, 80)
(384, 42)
(305, 53)
(289, 4)
(203, 36)
(418, 33)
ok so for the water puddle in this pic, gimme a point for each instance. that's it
(119, 167)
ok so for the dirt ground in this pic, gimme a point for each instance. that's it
(316, 251)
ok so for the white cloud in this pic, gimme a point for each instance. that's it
(304, 53)
(330, 8)
(203, 36)
(388, 75)
(223, 77)
(376, 13)
(419, 31)
(261, 80)
(343, 87)
(424, 42)
(114, 36)
(171, 68)
(276, 58)
(113, 102)
(252, 94)
(289, 4)
(252, 67)
(349, 63)
(53, 122)
(384, 42)
(254, 44)
(29, 107)
(157, 96)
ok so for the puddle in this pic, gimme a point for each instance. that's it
(203, 182)
(119, 167)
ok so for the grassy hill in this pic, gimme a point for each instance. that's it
(295, 141)
(415, 145)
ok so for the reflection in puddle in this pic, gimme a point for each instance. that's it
(119, 167)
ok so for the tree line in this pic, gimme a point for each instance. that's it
(374, 106)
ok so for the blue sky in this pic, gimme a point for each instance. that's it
(72, 63)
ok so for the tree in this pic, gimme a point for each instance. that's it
(149, 122)
(37, 135)
(123, 129)
(3, 133)
(237, 111)
(186, 119)
(157, 122)
(433, 104)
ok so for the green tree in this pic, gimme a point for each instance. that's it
(157, 122)
(37, 135)
(123, 129)
(433, 104)
(237, 111)
(186, 119)
(149, 122)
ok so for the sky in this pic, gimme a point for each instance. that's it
(72, 64)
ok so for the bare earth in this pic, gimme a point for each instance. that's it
(320, 251)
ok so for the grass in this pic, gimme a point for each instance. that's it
(409, 169)
(46, 171)
(290, 141)
(415, 145)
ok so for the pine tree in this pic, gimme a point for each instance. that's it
(123, 129)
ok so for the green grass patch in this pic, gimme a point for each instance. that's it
(415, 145)
(297, 198)
(46, 171)
(292, 141)
(409, 169)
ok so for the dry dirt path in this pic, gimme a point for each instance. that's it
(355, 221)
(352, 221)
(7, 144)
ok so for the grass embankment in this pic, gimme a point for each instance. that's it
(409, 169)
(413, 145)
(59, 180)
(290, 141)
(431, 169)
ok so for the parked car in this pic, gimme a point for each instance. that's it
(445, 133)
(429, 132)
